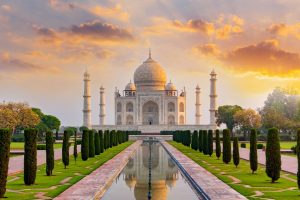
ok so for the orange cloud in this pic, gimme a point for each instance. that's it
(6, 8)
(265, 58)
(60, 5)
(207, 49)
(114, 12)
(285, 30)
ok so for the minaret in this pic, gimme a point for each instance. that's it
(87, 112)
(213, 97)
(102, 106)
(198, 115)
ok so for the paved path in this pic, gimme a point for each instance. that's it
(288, 163)
(16, 164)
(210, 184)
(94, 185)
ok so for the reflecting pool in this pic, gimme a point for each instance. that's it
(166, 180)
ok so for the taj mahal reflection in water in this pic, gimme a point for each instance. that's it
(166, 180)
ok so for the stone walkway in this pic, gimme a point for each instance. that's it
(16, 164)
(288, 163)
(210, 184)
(95, 184)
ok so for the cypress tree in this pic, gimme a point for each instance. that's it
(210, 143)
(65, 148)
(189, 138)
(49, 153)
(75, 153)
(226, 146)
(85, 145)
(101, 141)
(30, 160)
(236, 153)
(253, 151)
(97, 143)
(91, 144)
(218, 144)
(298, 157)
(195, 140)
(111, 138)
(273, 157)
(200, 143)
(205, 142)
(5, 135)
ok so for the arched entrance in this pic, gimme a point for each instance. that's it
(150, 113)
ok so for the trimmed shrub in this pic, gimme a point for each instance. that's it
(49, 153)
(273, 157)
(91, 144)
(298, 157)
(85, 145)
(236, 153)
(210, 143)
(5, 136)
(75, 153)
(205, 142)
(65, 148)
(110, 141)
(243, 145)
(294, 149)
(30, 160)
(226, 146)
(195, 140)
(101, 141)
(260, 146)
(218, 144)
(97, 143)
(200, 143)
(253, 151)
(41, 146)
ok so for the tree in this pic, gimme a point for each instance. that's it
(225, 115)
(218, 144)
(236, 153)
(65, 148)
(298, 157)
(51, 121)
(210, 141)
(75, 153)
(91, 144)
(97, 143)
(247, 119)
(273, 157)
(85, 145)
(253, 151)
(226, 146)
(5, 135)
(200, 143)
(205, 142)
(30, 153)
(195, 140)
(49, 153)
(101, 141)
(82, 128)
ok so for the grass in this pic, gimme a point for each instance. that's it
(52, 186)
(285, 188)
(20, 145)
(283, 145)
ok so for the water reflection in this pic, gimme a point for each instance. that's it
(167, 181)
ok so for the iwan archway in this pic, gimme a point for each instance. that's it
(150, 113)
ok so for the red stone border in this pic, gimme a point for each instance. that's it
(94, 185)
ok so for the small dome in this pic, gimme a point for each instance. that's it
(170, 86)
(130, 86)
(150, 75)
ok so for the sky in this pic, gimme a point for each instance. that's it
(46, 46)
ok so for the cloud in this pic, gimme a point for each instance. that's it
(7, 63)
(285, 30)
(60, 5)
(114, 12)
(6, 8)
(207, 49)
(222, 28)
(265, 58)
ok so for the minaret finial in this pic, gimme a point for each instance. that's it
(149, 53)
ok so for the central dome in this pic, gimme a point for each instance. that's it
(150, 75)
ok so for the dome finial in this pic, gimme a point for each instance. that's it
(149, 53)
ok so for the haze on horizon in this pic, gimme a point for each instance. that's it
(47, 45)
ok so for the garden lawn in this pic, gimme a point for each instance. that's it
(20, 145)
(252, 186)
(283, 145)
(52, 186)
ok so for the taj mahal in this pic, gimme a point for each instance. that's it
(149, 104)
